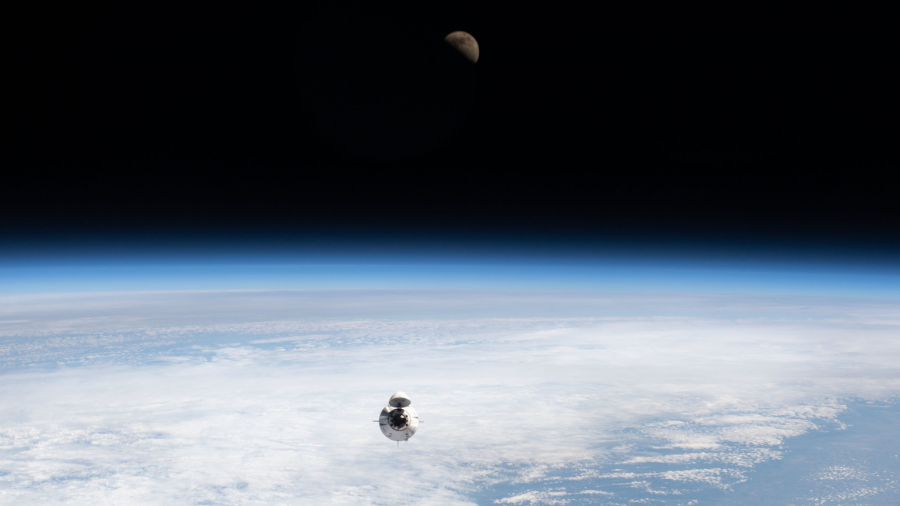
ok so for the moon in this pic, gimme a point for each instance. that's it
(464, 43)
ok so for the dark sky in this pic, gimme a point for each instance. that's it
(595, 121)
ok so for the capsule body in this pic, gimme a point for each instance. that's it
(399, 420)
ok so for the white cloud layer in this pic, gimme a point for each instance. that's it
(121, 399)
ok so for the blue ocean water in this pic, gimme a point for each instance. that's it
(852, 460)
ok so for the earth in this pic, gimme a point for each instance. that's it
(174, 388)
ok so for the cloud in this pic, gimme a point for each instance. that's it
(533, 497)
(132, 406)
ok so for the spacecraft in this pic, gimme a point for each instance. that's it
(398, 420)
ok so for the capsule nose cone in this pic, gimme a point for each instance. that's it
(399, 400)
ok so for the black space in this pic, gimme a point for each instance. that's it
(769, 123)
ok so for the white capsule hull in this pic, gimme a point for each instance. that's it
(398, 420)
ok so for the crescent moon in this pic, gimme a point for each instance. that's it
(464, 43)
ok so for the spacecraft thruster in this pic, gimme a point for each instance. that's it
(398, 420)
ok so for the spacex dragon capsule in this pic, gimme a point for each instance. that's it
(399, 420)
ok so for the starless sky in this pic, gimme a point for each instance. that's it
(198, 116)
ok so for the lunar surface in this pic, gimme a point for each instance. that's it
(464, 43)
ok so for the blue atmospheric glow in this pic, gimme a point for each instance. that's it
(462, 261)
(128, 274)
